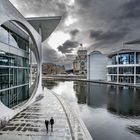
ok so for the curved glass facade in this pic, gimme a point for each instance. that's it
(14, 65)
(125, 67)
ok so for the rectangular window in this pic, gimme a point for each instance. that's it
(126, 58)
(4, 78)
(4, 58)
(112, 70)
(137, 70)
(137, 79)
(114, 60)
(126, 70)
(126, 79)
(113, 78)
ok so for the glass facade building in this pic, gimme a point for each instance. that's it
(14, 64)
(124, 67)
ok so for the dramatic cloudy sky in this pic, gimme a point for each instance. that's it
(98, 24)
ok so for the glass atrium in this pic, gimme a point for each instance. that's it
(14, 64)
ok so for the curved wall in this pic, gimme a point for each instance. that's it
(9, 13)
(124, 67)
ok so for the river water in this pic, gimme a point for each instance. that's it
(110, 112)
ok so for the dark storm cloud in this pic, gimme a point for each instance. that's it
(108, 36)
(85, 3)
(131, 9)
(41, 7)
(68, 46)
(49, 54)
(112, 22)
(74, 32)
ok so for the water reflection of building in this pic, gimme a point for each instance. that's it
(81, 91)
(123, 100)
(117, 99)
(50, 84)
(80, 62)
(97, 95)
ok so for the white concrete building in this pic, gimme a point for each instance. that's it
(96, 66)
(124, 66)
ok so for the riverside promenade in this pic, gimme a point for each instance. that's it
(29, 124)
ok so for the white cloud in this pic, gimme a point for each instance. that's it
(71, 2)
(70, 20)
(57, 39)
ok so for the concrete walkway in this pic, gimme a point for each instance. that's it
(29, 124)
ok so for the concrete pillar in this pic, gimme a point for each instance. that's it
(135, 67)
(117, 68)
(30, 82)
(40, 32)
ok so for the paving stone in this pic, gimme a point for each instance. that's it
(29, 124)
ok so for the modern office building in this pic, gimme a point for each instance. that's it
(124, 66)
(96, 66)
(14, 64)
(18, 35)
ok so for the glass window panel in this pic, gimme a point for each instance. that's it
(20, 61)
(126, 70)
(22, 43)
(4, 78)
(26, 75)
(26, 62)
(112, 70)
(15, 76)
(137, 58)
(13, 39)
(12, 60)
(4, 58)
(124, 59)
(20, 77)
(11, 77)
(137, 79)
(132, 61)
(13, 97)
(4, 97)
(3, 35)
(137, 70)
(114, 60)
(23, 93)
(27, 45)
(113, 78)
(126, 79)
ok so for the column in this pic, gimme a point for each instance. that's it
(40, 32)
(117, 67)
(135, 67)
(30, 82)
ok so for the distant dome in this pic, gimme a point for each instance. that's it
(95, 52)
